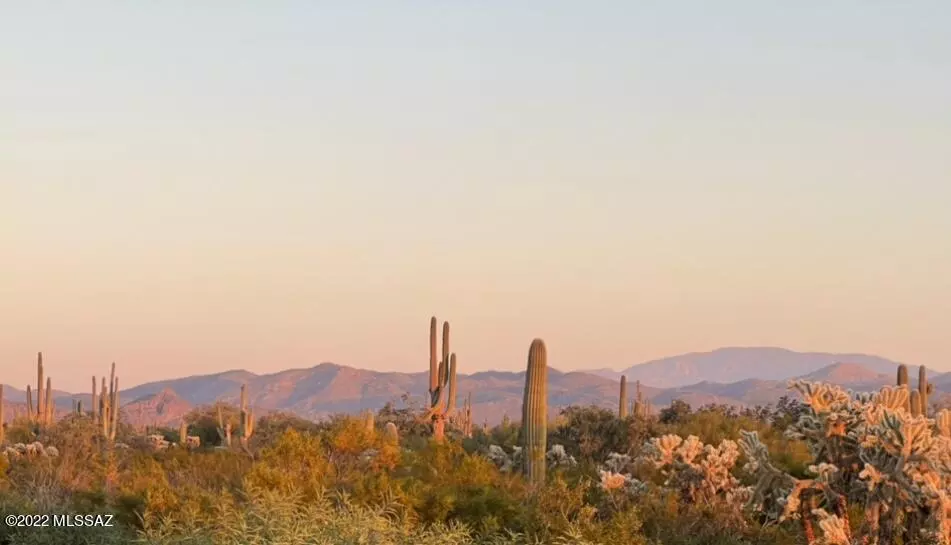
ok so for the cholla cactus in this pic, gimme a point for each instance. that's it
(698, 472)
(504, 461)
(29, 451)
(881, 453)
(557, 457)
(614, 477)
(157, 442)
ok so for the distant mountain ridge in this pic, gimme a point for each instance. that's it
(734, 364)
(328, 388)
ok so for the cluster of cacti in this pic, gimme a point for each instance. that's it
(535, 413)
(23, 450)
(504, 461)
(157, 442)
(614, 475)
(43, 413)
(558, 457)
(105, 405)
(918, 400)
(442, 381)
(463, 420)
(247, 419)
(870, 451)
(640, 407)
(699, 473)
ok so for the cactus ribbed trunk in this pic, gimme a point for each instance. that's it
(40, 402)
(48, 406)
(247, 420)
(224, 430)
(29, 403)
(95, 402)
(3, 420)
(114, 402)
(535, 413)
(902, 380)
(924, 388)
(622, 402)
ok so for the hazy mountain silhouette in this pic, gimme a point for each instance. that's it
(740, 363)
(328, 388)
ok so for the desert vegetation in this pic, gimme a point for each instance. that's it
(823, 466)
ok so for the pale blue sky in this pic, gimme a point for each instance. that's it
(190, 188)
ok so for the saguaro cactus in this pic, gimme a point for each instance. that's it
(247, 419)
(42, 414)
(641, 407)
(622, 402)
(224, 429)
(442, 381)
(48, 403)
(29, 403)
(94, 404)
(3, 421)
(108, 409)
(183, 433)
(535, 413)
(925, 388)
(917, 397)
(40, 402)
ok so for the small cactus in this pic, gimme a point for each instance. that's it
(535, 413)
(391, 432)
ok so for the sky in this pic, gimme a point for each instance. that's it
(187, 188)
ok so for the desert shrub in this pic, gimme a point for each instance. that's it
(591, 433)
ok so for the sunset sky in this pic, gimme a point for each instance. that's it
(187, 188)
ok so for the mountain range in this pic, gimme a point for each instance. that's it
(731, 376)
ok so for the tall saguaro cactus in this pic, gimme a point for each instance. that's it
(442, 381)
(622, 402)
(247, 419)
(94, 404)
(40, 402)
(107, 412)
(925, 388)
(224, 429)
(42, 414)
(535, 413)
